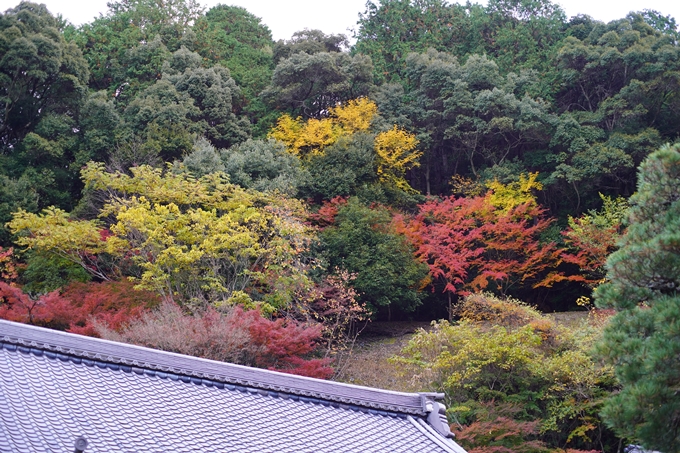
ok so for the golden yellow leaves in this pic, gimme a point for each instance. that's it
(507, 196)
(195, 241)
(312, 136)
(396, 150)
(355, 116)
(212, 191)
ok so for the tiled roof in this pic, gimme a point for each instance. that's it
(55, 387)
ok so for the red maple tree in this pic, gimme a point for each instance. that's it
(470, 245)
(78, 306)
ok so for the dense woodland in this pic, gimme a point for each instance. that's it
(173, 177)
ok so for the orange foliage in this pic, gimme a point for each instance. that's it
(326, 214)
(472, 246)
(8, 265)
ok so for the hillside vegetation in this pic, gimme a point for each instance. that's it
(170, 176)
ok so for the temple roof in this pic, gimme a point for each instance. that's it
(57, 387)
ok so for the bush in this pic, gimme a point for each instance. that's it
(233, 335)
(506, 312)
(362, 241)
(78, 307)
(504, 354)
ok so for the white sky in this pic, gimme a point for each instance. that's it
(284, 17)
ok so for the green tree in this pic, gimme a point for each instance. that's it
(515, 34)
(215, 94)
(664, 24)
(188, 101)
(141, 67)
(524, 34)
(619, 94)
(40, 73)
(45, 273)
(234, 38)
(43, 83)
(15, 194)
(308, 85)
(390, 30)
(161, 117)
(643, 340)
(363, 242)
(109, 42)
(466, 117)
(343, 169)
(309, 42)
(100, 125)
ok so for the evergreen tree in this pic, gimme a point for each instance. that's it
(364, 242)
(43, 84)
(643, 340)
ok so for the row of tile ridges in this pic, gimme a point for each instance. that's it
(338, 394)
(191, 379)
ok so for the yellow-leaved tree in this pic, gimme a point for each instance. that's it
(396, 150)
(508, 196)
(304, 138)
(55, 232)
(194, 241)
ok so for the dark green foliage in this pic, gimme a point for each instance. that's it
(309, 42)
(362, 241)
(392, 29)
(134, 31)
(523, 34)
(42, 86)
(342, 169)
(514, 33)
(236, 39)
(313, 74)
(188, 101)
(99, 124)
(15, 194)
(162, 117)
(309, 84)
(40, 73)
(466, 117)
(622, 76)
(216, 96)
(233, 37)
(643, 340)
(46, 273)
(141, 67)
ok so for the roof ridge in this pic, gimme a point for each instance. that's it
(228, 373)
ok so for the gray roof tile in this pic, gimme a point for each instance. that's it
(55, 387)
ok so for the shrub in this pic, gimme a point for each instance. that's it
(78, 306)
(502, 354)
(233, 335)
(506, 312)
